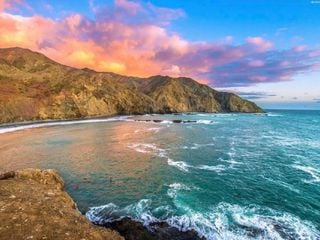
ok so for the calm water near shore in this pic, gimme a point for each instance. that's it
(228, 176)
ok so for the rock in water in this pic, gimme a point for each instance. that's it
(34, 87)
(133, 230)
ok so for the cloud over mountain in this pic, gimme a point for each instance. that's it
(132, 38)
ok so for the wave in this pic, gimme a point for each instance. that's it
(174, 188)
(111, 212)
(181, 165)
(217, 168)
(315, 173)
(148, 148)
(274, 115)
(221, 222)
(205, 122)
(60, 123)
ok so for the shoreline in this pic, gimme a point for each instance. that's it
(16, 126)
(34, 205)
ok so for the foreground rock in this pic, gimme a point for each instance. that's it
(34, 87)
(133, 230)
(33, 206)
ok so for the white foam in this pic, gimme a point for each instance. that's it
(139, 211)
(315, 173)
(274, 115)
(148, 148)
(205, 122)
(217, 168)
(179, 164)
(103, 214)
(166, 122)
(174, 188)
(227, 221)
(183, 166)
(60, 123)
(222, 222)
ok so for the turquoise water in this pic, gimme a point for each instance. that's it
(228, 176)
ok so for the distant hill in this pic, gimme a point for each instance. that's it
(34, 87)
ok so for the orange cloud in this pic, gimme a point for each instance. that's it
(132, 39)
(9, 4)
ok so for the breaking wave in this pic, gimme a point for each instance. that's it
(223, 222)
(183, 166)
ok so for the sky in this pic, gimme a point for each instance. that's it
(267, 51)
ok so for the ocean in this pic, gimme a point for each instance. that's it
(227, 176)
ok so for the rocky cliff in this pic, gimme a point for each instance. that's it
(34, 206)
(33, 87)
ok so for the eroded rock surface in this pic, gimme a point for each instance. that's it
(33, 205)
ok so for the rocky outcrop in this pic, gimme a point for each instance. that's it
(33, 87)
(34, 206)
(133, 230)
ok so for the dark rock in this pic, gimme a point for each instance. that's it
(7, 175)
(133, 230)
(189, 121)
(177, 121)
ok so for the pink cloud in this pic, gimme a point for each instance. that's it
(130, 6)
(139, 44)
(260, 43)
(6, 4)
(256, 63)
(258, 78)
(299, 48)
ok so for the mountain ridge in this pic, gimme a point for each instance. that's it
(34, 87)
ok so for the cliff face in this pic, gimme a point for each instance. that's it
(33, 87)
(33, 205)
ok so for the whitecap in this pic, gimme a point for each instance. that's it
(226, 221)
(183, 166)
(274, 115)
(103, 214)
(221, 222)
(217, 168)
(174, 188)
(148, 148)
(205, 122)
(179, 164)
(315, 173)
(166, 122)
(139, 211)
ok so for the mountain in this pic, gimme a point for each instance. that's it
(34, 87)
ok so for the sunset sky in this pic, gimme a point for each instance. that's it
(267, 51)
